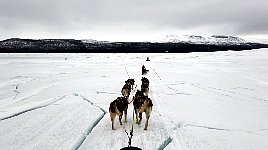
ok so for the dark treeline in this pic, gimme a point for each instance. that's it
(16, 45)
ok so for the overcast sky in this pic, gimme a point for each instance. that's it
(131, 20)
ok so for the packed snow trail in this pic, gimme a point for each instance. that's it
(158, 135)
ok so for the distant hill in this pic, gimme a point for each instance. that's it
(210, 40)
(171, 43)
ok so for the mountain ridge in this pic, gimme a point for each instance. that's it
(170, 43)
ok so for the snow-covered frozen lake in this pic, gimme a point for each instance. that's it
(209, 100)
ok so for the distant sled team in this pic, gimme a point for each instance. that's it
(141, 102)
(144, 70)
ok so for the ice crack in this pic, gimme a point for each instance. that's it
(104, 111)
(91, 127)
(165, 143)
(33, 108)
(88, 131)
(220, 129)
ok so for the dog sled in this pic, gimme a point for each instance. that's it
(130, 148)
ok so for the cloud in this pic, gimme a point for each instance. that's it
(126, 17)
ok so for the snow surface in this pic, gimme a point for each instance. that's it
(209, 100)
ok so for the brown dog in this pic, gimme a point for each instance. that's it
(117, 107)
(145, 90)
(126, 90)
(130, 82)
(145, 81)
(142, 104)
(145, 86)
